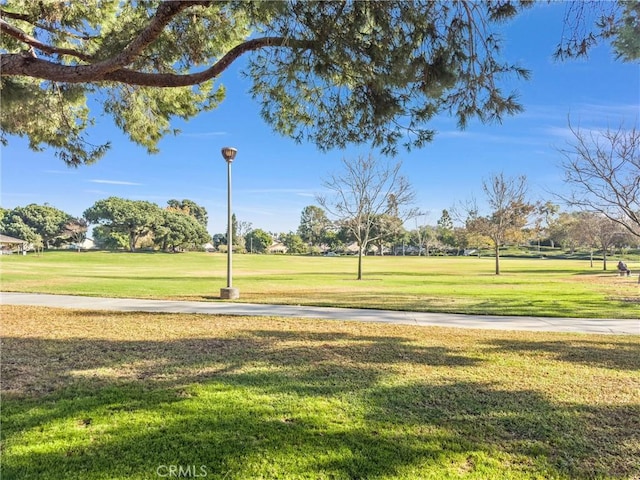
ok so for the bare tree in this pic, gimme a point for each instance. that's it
(509, 212)
(242, 229)
(76, 230)
(595, 230)
(361, 193)
(421, 232)
(603, 167)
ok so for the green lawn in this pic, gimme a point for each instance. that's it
(533, 286)
(97, 395)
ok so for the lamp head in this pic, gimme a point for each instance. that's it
(229, 153)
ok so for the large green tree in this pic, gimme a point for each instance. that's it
(108, 239)
(445, 231)
(46, 222)
(191, 208)
(259, 240)
(178, 230)
(294, 243)
(134, 218)
(314, 225)
(330, 72)
(14, 226)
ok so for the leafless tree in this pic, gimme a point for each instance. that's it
(596, 231)
(509, 212)
(363, 191)
(420, 232)
(76, 230)
(603, 167)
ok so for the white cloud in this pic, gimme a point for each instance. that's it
(581, 113)
(114, 182)
(559, 132)
(610, 113)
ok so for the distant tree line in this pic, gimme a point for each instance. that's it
(567, 231)
(369, 204)
(181, 226)
(119, 224)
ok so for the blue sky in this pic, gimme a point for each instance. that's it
(274, 178)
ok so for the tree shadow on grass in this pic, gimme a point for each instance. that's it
(364, 349)
(283, 404)
(580, 441)
(599, 353)
(40, 367)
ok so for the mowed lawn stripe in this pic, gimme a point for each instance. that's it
(531, 286)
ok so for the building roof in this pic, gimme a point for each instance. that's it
(278, 247)
(6, 239)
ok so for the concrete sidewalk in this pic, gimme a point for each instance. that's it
(540, 324)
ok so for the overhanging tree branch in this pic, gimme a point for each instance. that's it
(603, 168)
(20, 65)
(332, 73)
(36, 44)
(93, 72)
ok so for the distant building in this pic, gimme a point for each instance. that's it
(86, 244)
(352, 249)
(9, 245)
(277, 247)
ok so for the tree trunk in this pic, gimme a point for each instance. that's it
(359, 264)
(497, 252)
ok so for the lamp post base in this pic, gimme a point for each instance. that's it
(229, 293)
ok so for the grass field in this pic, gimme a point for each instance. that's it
(98, 395)
(534, 286)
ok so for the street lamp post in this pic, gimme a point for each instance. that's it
(229, 293)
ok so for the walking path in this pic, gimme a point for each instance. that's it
(541, 324)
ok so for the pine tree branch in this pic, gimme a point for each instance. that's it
(18, 34)
(94, 72)
(17, 64)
